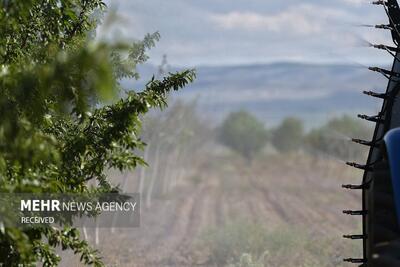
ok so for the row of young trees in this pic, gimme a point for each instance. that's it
(245, 134)
(179, 139)
(175, 141)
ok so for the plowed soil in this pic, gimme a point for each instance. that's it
(295, 191)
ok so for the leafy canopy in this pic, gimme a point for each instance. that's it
(62, 124)
(288, 136)
(334, 137)
(243, 133)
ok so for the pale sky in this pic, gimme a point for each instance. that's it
(223, 32)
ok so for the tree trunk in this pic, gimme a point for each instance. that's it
(154, 177)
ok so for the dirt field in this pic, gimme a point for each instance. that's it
(296, 194)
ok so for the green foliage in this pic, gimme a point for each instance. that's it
(244, 133)
(62, 125)
(289, 135)
(246, 260)
(333, 138)
(30, 28)
(244, 244)
(227, 244)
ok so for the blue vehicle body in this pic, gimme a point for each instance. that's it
(381, 180)
(392, 141)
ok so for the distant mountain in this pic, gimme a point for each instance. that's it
(274, 91)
